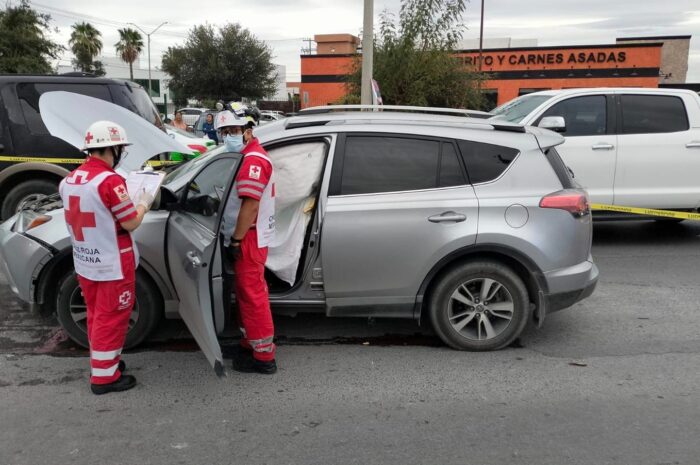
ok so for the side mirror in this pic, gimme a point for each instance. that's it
(553, 123)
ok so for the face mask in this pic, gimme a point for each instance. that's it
(233, 143)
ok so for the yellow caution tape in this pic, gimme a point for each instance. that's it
(71, 161)
(61, 161)
(646, 211)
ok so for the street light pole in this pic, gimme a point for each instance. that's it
(367, 53)
(148, 35)
(481, 37)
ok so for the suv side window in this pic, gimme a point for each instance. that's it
(375, 164)
(584, 116)
(485, 162)
(206, 191)
(29, 94)
(644, 114)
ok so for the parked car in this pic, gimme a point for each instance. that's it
(631, 147)
(472, 226)
(198, 144)
(32, 162)
(198, 127)
(190, 115)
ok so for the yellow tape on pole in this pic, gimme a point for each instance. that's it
(646, 211)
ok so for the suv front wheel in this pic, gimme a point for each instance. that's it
(479, 306)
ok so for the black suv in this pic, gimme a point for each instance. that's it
(32, 162)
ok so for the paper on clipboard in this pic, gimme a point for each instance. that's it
(136, 181)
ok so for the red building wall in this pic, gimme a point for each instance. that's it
(512, 71)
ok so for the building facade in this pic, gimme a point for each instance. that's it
(515, 70)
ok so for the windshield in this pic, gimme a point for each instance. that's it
(517, 109)
(134, 98)
(187, 167)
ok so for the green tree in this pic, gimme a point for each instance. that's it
(414, 62)
(24, 47)
(86, 44)
(129, 47)
(224, 63)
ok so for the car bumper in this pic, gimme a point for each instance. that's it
(21, 260)
(570, 285)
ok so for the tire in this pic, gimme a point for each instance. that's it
(23, 191)
(148, 309)
(466, 327)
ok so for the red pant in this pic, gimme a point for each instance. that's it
(253, 299)
(109, 305)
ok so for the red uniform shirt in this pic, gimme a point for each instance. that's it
(255, 172)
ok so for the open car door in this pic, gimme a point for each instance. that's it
(193, 251)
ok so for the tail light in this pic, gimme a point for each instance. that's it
(571, 200)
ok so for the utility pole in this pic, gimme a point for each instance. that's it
(481, 37)
(148, 35)
(367, 53)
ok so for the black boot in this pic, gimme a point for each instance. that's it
(244, 362)
(124, 383)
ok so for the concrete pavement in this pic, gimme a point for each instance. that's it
(613, 380)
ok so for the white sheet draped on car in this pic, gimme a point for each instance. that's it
(298, 176)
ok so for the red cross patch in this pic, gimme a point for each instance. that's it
(88, 138)
(121, 193)
(254, 172)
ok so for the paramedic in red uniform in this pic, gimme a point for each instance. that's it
(100, 216)
(249, 230)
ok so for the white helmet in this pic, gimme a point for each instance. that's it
(227, 118)
(103, 134)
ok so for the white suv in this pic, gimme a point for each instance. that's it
(627, 146)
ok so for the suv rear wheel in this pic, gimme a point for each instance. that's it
(25, 192)
(479, 306)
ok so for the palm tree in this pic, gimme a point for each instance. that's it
(129, 47)
(86, 44)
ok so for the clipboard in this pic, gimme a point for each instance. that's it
(150, 181)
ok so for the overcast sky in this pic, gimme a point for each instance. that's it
(284, 23)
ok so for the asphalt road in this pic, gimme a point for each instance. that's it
(613, 380)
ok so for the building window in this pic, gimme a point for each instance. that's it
(491, 97)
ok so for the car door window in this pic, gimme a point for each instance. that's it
(451, 173)
(485, 162)
(645, 114)
(205, 192)
(375, 164)
(584, 116)
(29, 94)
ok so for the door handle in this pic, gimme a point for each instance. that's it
(695, 144)
(447, 217)
(194, 260)
(602, 146)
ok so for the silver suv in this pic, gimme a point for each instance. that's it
(471, 226)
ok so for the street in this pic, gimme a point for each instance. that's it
(612, 380)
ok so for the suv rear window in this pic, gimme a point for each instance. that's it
(644, 114)
(29, 94)
(388, 164)
(136, 99)
(485, 162)
(560, 168)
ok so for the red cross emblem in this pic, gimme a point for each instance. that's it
(121, 190)
(78, 219)
(114, 134)
(255, 170)
(222, 118)
(88, 138)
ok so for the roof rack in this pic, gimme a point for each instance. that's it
(409, 109)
